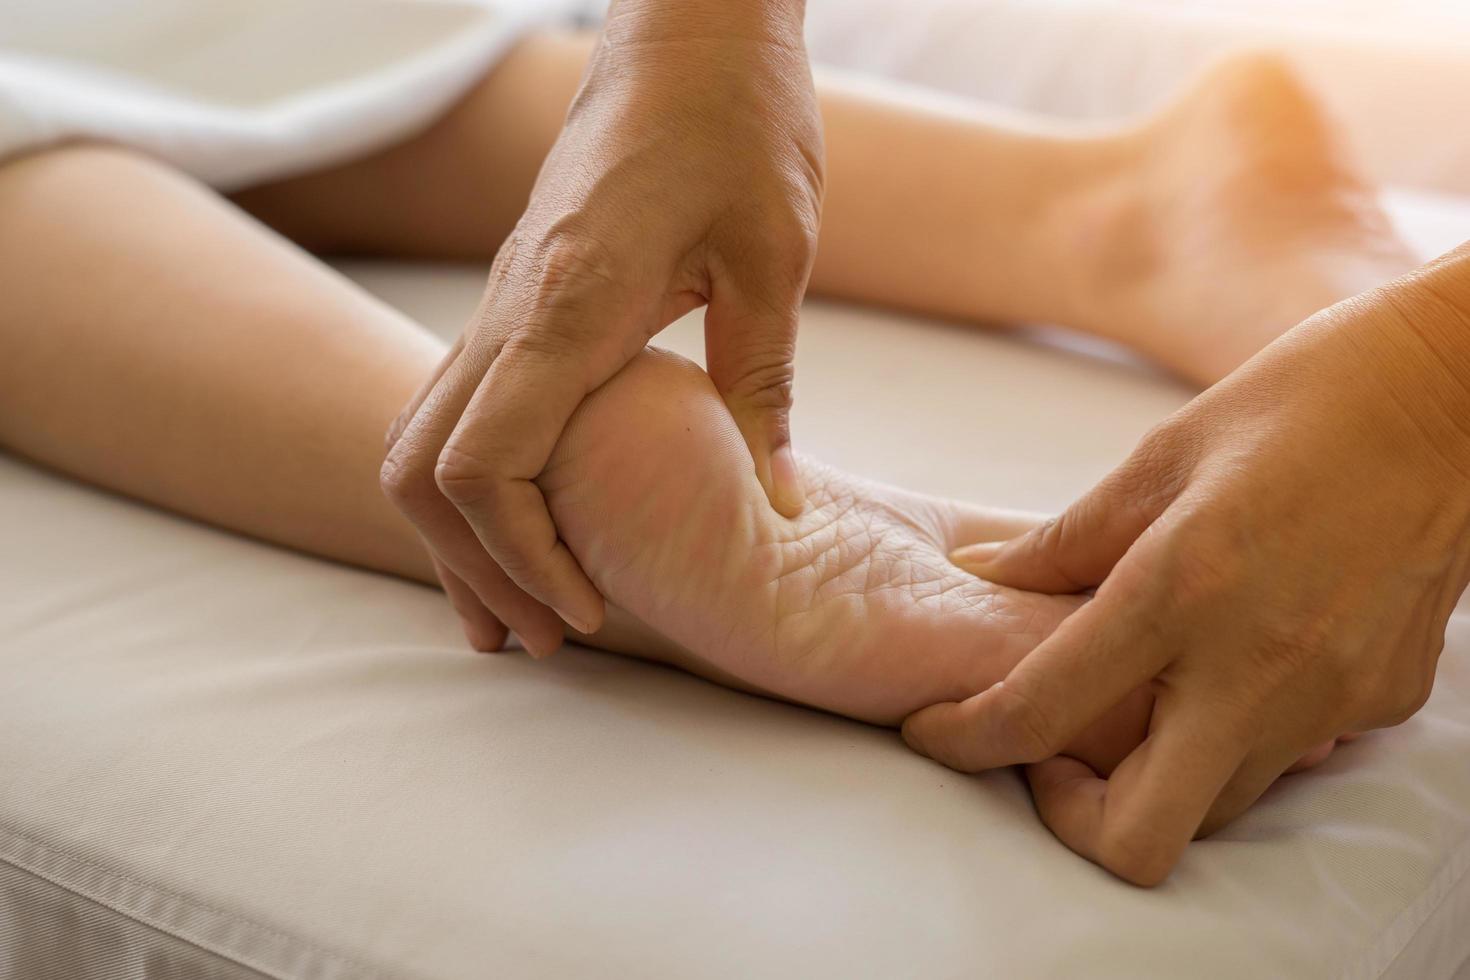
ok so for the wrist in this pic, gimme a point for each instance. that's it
(763, 21)
(1430, 360)
(1438, 297)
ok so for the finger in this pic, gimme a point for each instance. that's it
(1138, 822)
(1069, 798)
(1079, 548)
(750, 351)
(501, 443)
(1096, 657)
(679, 304)
(395, 431)
(1260, 769)
(482, 629)
(408, 480)
(970, 524)
(1313, 758)
(955, 524)
(538, 627)
(1397, 699)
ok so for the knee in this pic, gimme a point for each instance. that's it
(76, 156)
(61, 172)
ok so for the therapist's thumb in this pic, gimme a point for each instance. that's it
(750, 349)
(1073, 551)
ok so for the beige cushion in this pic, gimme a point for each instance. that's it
(218, 758)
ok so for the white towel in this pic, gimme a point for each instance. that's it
(238, 91)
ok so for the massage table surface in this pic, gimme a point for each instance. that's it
(219, 758)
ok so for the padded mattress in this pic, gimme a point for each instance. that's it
(222, 759)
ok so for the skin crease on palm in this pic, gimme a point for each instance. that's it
(853, 606)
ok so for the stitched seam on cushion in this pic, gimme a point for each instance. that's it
(181, 940)
(9, 856)
(1455, 872)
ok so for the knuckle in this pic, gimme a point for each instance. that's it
(1301, 647)
(404, 482)
(794, 242)
(940, 742)
(573, 265)
(556, 267)
(1157, 449)
(1044, 540)
(1390, 693)
(1050, 535)
(1300, 666)
(1160, 463)
(1434, 648)
(559, 303)
(1205, 562)
(394, 432)
(1408, 697)
(812, 189)
(767, 383)
(1361, 696)
(540, 341)
(519, 568)
(1053, 542)
(464, 479)
(771, 256)
(1032, 736)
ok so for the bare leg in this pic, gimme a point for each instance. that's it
(1197, 235)
(210, 367)
(141, 314)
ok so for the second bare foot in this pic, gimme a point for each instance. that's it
(1237, 216)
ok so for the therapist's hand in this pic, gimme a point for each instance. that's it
(1279, 560)
(689, 173)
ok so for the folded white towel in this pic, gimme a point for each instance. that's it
(237, 91)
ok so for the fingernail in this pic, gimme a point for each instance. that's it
(976, 554)
(909, 733)
(786, 486)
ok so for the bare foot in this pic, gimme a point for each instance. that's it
(1246, 219)
(852, 607)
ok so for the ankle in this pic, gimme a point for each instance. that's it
(1103, 233)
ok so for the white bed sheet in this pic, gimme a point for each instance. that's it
(222, 749)
(1393, 74)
